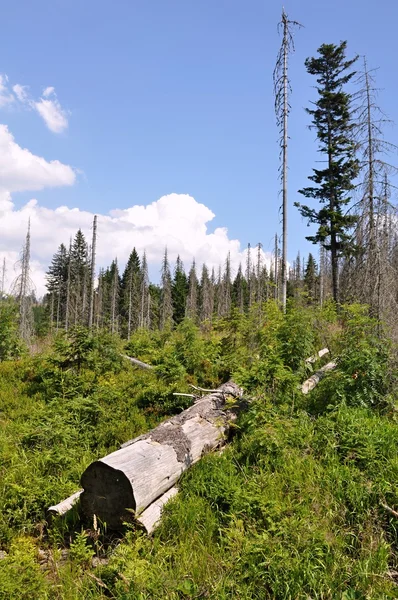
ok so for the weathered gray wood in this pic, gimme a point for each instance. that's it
(123, 484)
(150, 517)
(310, 383)
(137, 363)
(317, 356)
(63, 507)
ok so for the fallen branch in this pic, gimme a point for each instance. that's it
(137, 363)
(122, 485)
(63, 507)
(389, 510)
(313, 381)
(318, 355)
(199, 389)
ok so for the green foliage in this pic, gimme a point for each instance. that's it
(20, 575)
(80, 551)
(291, 508)
(363, 374)
(10, 344)
(332, 119)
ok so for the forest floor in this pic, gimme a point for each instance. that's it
(294, 508)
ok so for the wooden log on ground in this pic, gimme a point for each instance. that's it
(310, 383)
(137, 363)
(63, 507)
(150, 517)
(122, 485)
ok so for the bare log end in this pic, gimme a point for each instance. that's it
(107, 493)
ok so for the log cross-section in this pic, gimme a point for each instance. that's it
(123, 484)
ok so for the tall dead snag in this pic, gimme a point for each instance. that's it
(92, 273)
(119, 487)
(370, 277)
(22, 289)
(276, 268)
(282, 90)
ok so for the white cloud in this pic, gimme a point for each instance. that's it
(6, 97)
(50, 110)
(48, 106)
(177, 221)
(48, 91)
(20, 92)
(20, 170)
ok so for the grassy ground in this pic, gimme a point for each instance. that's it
(291, 510)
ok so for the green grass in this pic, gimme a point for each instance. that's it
(291, 509)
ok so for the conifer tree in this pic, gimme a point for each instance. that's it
(239, 290)
(206, 296)
(226, 299)
(68, 287)
(166, 307)
(219, 293)
(248, 274)
(310, 278)
(179, 291)
(56, 276)
(145, 298)
(332, 119)
(130, 288)
(114, 292)
(192, 298)
(79, 279)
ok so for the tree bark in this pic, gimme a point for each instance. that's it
(63, 507)
(119, 487)
(150, 517)
(313, 381)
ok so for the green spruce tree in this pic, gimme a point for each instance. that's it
(179, 291)
(332, 119)
(311, 278)
(130, 294)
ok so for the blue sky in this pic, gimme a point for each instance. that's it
(175, 96)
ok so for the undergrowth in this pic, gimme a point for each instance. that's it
(294, 508)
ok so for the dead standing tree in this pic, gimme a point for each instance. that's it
(92, 273)
(22, 289)
(282, 90)
(371, 276)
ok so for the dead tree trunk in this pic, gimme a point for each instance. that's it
(119, 487)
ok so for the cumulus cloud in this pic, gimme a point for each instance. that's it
(50, 110)
(177, 221)
(20, 170)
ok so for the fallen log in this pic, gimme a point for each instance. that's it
(137, 363)
(310, 383)
(120, 486)
(63, 507)
(150, 517)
